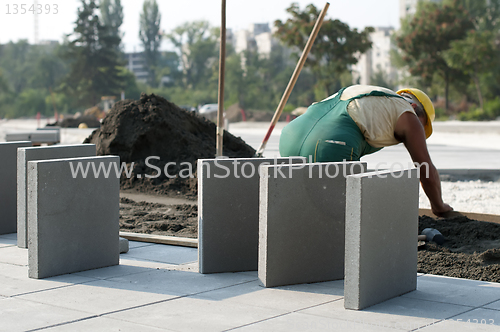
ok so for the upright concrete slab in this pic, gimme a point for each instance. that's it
(381, 237)
(26, 155)
(73, 221)
(301, 222)
(8, 185)
(228, 213)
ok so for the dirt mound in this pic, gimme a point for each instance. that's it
(152, 132)
(471, 249)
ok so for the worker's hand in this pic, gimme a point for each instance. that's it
(442, 210)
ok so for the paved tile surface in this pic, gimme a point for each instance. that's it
(158, 288)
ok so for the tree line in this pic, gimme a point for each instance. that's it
(448, 49)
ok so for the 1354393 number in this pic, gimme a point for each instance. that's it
(15, 9)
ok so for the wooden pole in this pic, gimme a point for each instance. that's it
(222, 67)
(293, 79)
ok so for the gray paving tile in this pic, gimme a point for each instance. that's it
(298, 322)
(165, 254)
(452, 325)
(14, 255)
(112, 271)
(459, 281)
(288, 298)
(139, 262)
(480, 316)
(10, 236)
(399, 313)
(96, 297)
(137, 244)
(495, 305)
(455, 291)
(178, 282)
(338, 284)
(7, 240)
(105, 325)
(13, 271)
(14, 281)
(189, 314)
(20, 315)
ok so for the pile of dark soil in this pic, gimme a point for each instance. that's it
(471, 249)
(154, 218)
(155, 127)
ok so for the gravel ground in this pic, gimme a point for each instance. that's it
(469, 196)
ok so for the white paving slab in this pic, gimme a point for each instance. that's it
(8, 239)
(11, 236)
(398, 313)
(178, 282)
(12, 255)
(288, 298)
(480, 316)
(298, 322)
(165, 254)
(101, 324)
(16, 285)
(455, 291)
(189, 314)
(127, 260)
(147, 294)
(112, 271)
(21, 315)
(96, 297)
(452, 325)
(495, 305)
(137, 244)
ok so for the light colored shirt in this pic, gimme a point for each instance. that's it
(376, 117)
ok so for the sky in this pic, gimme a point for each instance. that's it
(239, 14)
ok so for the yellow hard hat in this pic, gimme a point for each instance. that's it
(428, 107)
(82, 125)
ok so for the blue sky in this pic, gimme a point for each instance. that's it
(240, 13)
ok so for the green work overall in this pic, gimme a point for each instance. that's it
(327, 133)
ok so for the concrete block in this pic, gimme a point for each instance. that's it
(8, 185)
(123, 245)
(45, 136)
(228, 213)
(381, 233)
(38, 137)
(72, 220)
(26, 155)
(20, 136)
(56, 128)
(301, 222)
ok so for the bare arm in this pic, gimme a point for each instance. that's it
(410, 131)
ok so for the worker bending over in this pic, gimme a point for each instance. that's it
(362, 119)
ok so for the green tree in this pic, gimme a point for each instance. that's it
(4, 86)
(17, 63)
(150, 36)
(196, 45)
(475, 55)
(334, 50)
(95, 65)
(427, 35)
(112, 17)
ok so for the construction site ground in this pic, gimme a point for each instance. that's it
(157, 287)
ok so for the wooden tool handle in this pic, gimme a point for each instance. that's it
(293, 79)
